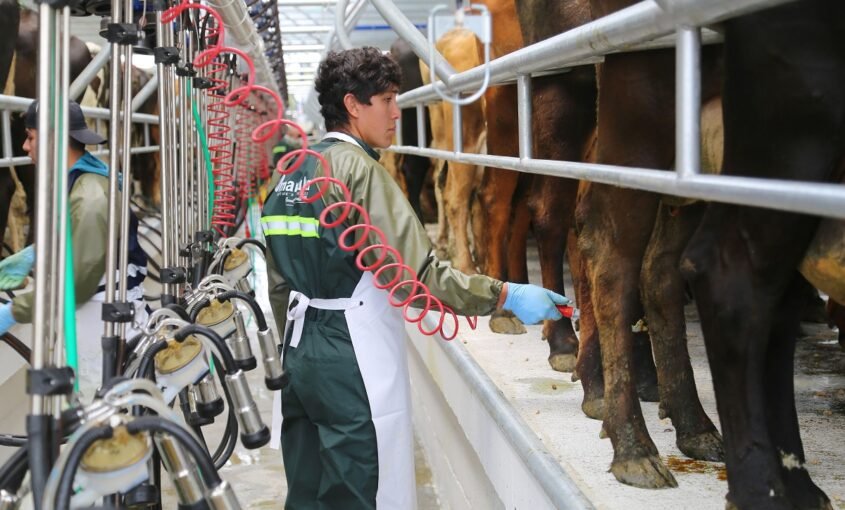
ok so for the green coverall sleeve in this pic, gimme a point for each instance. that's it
(89, 226)
(373, 188)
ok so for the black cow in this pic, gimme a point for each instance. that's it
(784, 114)
(413, 168)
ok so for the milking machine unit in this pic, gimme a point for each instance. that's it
(112, 448)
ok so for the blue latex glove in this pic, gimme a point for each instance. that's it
(532, 304)
(6, 319)
(14, 268)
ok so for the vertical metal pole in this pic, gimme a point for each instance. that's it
(7, 134)
(51, 95)
(421, 126)
(43, 201)
(688, 102)
(205, 183)
(114, 177)
(184, 123)
(126, 167)
(61, 172)
(399, 129)
(523, 103)
(164, 119)
(457, 129)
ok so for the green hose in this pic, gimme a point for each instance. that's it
(71, 353)
(205, 152)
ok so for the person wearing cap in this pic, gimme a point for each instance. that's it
(88, 202)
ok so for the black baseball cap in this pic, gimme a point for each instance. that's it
(76, 123)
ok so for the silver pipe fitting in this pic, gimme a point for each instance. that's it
(239, 344)
(9, 501)
(274, 374)
(254, 434)
(223, 497)
(189, 487)
(208, 400)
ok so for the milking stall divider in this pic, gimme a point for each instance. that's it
(199, 83)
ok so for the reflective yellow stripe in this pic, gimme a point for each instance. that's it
(290, 226)
(298, 219)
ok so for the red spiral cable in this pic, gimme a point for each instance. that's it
(417, 291)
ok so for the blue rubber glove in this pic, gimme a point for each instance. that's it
(532, 304)
(6, 319)
(14, 268)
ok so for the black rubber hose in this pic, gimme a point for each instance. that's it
(39, 428)
(222, 264)
(198, 308)
(146, 367)
(65, 488)
(196, 329)
(10, 472)
(256, 310)
(255, 242)
(13, 440)
(180, 310)
(19, 347)
(225, 448)
(197, 451)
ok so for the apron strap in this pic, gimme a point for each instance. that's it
(299, 303)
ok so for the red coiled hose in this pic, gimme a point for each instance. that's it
(418, 292)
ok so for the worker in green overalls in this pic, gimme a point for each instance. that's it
(346, 431)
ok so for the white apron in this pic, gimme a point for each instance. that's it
(378, 337)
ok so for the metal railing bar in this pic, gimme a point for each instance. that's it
(623, 30)
(25, 160)
(20, 104)
(84, 78)
(822, 199)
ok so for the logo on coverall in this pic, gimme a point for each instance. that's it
(289, 189)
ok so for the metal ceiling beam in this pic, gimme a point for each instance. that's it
(305, 29)
(304, 48)
(305, 3)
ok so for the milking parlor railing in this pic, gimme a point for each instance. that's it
(14, 104)
(648, 24)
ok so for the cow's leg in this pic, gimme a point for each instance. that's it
(459, 184)
(517, 263)
(836, 317)
(414, 169)
(552, 204)
(441, 171)
(496, 195)
(784, 111)
(588, 366)
(635, 122)
(564, 119)
(663, 298)
(781, 416)
(7, 189)
(613, 244)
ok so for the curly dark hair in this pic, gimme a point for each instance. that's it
(363, 72)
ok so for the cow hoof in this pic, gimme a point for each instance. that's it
(704, 446)
(593, 408)
(506, 323)
(644, 472)
(575, 377)
(563, 362)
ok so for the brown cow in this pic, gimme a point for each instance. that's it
(503, 212)
(631, 245)
(784, 114)
(461, 48)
